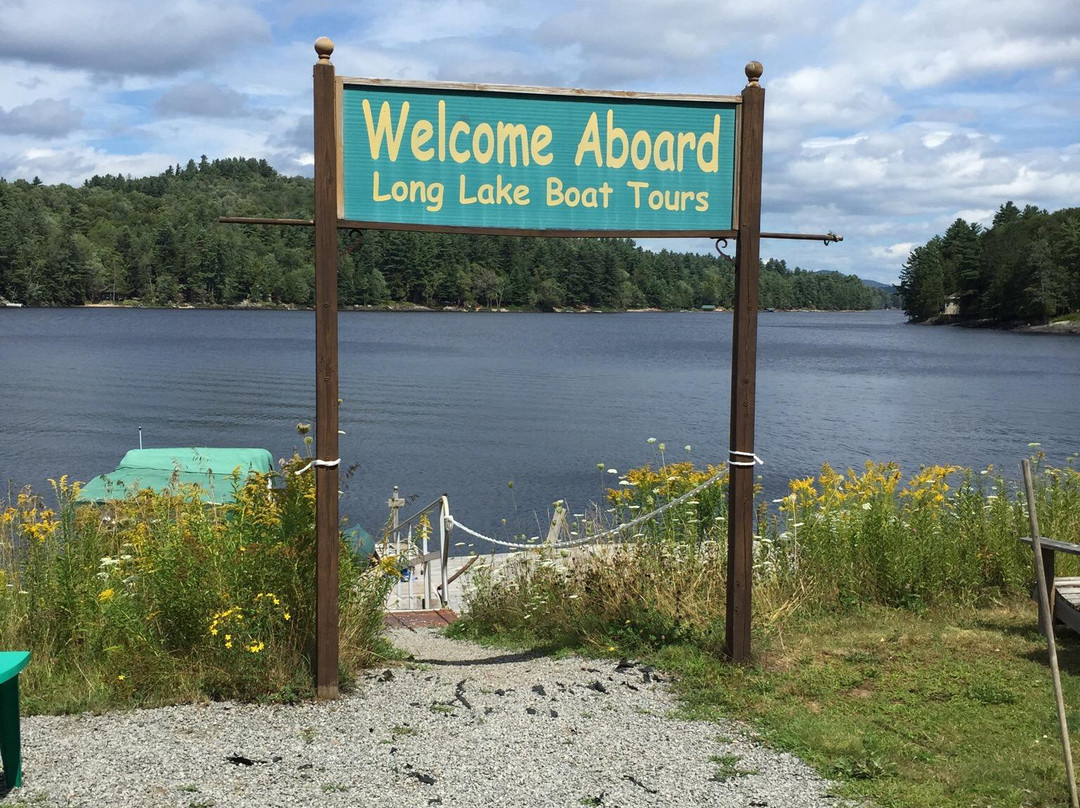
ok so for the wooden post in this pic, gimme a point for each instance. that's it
(744, 371)
(326, 380)
(1046, 619)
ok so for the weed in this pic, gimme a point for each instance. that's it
(157, 597)
(727, 768)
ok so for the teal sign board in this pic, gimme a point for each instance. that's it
(447, 157)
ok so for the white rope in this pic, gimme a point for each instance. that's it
(597, 536)
(754, 459)
(329, 464)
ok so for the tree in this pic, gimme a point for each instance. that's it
(961, 253)
(488, 285)
(922, 289)
(1046, 292)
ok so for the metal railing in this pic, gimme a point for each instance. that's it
(410, 540)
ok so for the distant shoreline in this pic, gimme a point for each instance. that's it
(1067, 328)
(416, 307)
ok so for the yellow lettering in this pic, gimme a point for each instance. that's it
(616, 134)
(590, 141)
(435, 196)
(483, 154)
(665, 141)
(637, 186)
(554, 191)
(421, 134)
(686, 139)
(712, 139)
(702, 201)
(384, 129)
(460, 127)
(463, 198)
(442, 131)
(509, 134)
(541, 139)
(375, 189)
(641, 156)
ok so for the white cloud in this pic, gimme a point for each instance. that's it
(72, 165)
(892, 252)
(202, 99)
(611, 43)
(44, 118)
(122, 37)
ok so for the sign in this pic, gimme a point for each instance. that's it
(534, 161)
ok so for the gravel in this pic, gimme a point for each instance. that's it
(464, 726)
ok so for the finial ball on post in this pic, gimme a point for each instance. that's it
(324, 46)
(754, 71)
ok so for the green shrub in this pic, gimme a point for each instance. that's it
(949, 536)
(159, 597)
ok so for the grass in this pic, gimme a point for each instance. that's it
(947, 708)
(895, 649)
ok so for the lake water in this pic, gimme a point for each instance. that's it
(465, 403)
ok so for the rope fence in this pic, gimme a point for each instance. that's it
(611, 532)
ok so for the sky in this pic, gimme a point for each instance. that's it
(885, 120)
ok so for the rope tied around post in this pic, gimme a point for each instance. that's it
(753, 461)
(326, 464)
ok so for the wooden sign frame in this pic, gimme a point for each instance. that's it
(746, 214)
(711, 103)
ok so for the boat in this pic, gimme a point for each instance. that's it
(211, 469)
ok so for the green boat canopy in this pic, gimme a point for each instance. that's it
(210, 469)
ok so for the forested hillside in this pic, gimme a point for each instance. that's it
(1024, 268)
(157, 240)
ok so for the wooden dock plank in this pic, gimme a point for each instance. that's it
(421, 619)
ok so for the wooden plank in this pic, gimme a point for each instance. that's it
(526, 89)
(358, 224)
(426, 618)
(326, 377)
(744, 371)
(1067, 613)
(1054, 544)
(1067, 590)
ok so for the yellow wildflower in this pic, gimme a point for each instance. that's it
(106, 595)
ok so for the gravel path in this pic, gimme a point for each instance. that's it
(466, 726)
